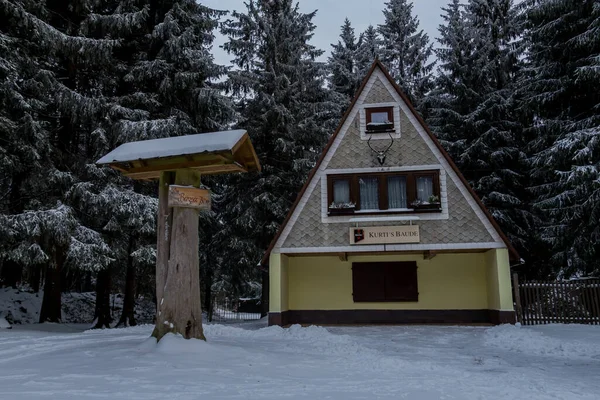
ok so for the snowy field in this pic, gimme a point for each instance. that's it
(246, 361)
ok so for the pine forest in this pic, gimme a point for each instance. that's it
(511, 89)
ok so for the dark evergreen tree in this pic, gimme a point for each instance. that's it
(406, 51)
(24, 136)
(287, 111)
(473, 110)
(80, 80)
(58, 120)
(453, 96)
(560, 89)
(369, 48)
(165, 86)
(344, 73)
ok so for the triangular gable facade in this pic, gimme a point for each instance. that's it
(463, 223)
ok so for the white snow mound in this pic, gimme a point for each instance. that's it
(4, 323)
(176, 344)
(532, 342)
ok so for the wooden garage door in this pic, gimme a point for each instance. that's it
(385, 281)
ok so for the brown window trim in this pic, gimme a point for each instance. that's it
(390, 112)
(411, 192)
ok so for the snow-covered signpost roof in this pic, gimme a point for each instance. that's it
(179, 162)
(207, 153)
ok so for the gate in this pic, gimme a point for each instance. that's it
(226, 307)
(566, 302)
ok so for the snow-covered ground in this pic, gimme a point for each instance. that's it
(245, 362)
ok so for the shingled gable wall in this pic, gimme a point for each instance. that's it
(462, 224)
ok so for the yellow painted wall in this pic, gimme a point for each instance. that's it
(448, 281)
(278, 282)
(500, 288)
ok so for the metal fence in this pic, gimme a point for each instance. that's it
(225, 307)
(572, 302)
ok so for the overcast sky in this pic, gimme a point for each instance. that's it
(330, 17)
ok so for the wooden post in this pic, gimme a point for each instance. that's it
(596, 300)
(178, 275)
(517, 297)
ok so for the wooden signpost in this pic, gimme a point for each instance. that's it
(189, 197)
(178, 163)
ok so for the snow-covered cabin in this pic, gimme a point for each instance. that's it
(387, 230)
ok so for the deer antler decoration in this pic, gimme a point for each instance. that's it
(380, 153)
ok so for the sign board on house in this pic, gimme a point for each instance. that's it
(385, 234)
(189, 197)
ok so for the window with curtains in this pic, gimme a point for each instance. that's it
(386, 192)
(368, 188)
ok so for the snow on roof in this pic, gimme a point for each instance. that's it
(174, 146)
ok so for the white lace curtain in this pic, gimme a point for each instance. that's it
(396, 192)
(341, 191)
(424, 188)
(369, 193)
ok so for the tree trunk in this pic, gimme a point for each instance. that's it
(264, 297)
(208, 306)
(163, 239)
(179, 304)
(128, 313)
(35, 275)
(87, 283)
(102, 317)
(11, 274)
(51, 302)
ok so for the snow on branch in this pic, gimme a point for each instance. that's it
(91, 50)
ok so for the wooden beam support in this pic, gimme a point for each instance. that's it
(118, 167)
(429, 254)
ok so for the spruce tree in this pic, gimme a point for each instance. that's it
(406, 51)
(560, 88)
(473, 111)
(345, 78)
(453, 97)
(80, 81)
(369, 49)
(287, 111)
(69, 105)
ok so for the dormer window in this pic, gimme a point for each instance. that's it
(380, 119)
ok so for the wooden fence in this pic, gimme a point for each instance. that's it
(566, 302)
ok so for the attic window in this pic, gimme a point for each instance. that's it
(380, 119)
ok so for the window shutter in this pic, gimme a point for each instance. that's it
(368, 282)
(401, 281)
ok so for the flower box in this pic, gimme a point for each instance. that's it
(341, 209)
(432, 204)
(377, 127)
(427, 206)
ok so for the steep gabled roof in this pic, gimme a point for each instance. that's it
(377, 64)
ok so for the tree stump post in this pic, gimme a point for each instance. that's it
(178, 299)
